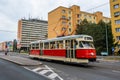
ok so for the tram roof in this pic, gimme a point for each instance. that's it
(62, 38)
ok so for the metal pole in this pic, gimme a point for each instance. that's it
(106, 38)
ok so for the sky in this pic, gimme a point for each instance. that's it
(13, 10)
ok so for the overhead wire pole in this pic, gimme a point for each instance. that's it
(106, 38)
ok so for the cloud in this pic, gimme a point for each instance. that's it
(13, 10)
(7, 25)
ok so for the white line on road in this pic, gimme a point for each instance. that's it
(44, 71)
(115, 71)
(53, 75)
(36, 69)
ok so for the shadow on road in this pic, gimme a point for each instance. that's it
(68, 63)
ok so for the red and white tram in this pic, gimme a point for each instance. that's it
(75, 48)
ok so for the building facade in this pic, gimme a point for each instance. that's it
(115, 19)
(31, 30)
(2, 46)
(6, 44)
(63, 21)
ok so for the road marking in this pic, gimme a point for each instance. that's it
(27, 68)
(44, 71)
(49, 68)
(115, 71)
(53, 75)
(36, 69)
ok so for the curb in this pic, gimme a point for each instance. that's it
(12, 61)
(19, 63)
(108, 60)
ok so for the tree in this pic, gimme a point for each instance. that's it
(98, 32)
(81, 28)
(14, 45)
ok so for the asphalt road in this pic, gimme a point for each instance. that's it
(10, 71)
(104, 70)
(93, 71)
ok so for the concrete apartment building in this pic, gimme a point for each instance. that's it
(63, 20)
(31, 30)
(115, 19)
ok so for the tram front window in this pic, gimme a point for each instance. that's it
(86, 44)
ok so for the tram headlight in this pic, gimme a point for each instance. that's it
(92, 54)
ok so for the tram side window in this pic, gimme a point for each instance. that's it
(46, 45)
(37, 46)
(61, 44)
(33, 46)
(52, 45)
(88, 44)
(80, 44)
(67, 44)
(56, 45)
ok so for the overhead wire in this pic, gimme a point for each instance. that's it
(98, 6)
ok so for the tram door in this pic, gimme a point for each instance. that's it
(70, 50)
(41, 49)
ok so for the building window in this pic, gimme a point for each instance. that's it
(63, 11)
(78, 21)
(63, 22)
(85, 16)
(78, 15)
(117, 29)
(117, 21)
(90, 17)
(63, 17)
(114, 0)
(63, 28)
(116, 14)
(69, 18)
(69, 29)
(69, 23)
(118, 46)
(118, 37)
(116, 6)
(90, 21)
(69, 12)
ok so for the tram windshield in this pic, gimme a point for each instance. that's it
(86, 44)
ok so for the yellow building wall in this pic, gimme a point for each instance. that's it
(113, 18)
(55, 23)
(19, 29)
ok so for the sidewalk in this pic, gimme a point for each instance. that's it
(19, 59)
(109, 58)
